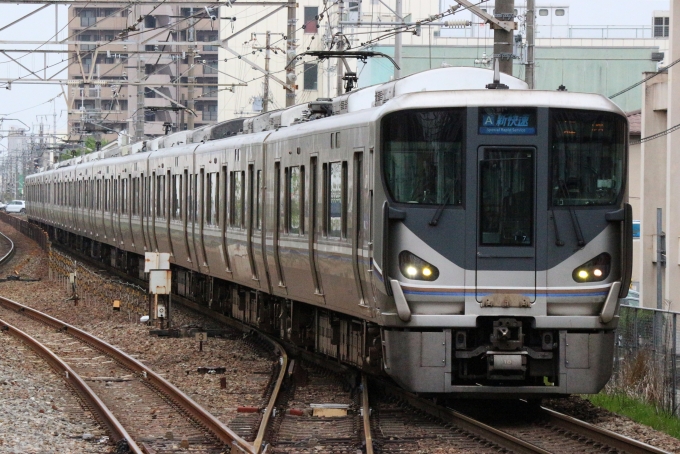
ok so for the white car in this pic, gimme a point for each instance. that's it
(16, 206)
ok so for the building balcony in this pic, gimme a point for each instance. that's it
(158, 79)
(156, 102)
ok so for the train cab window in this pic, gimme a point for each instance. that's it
(423, 156)
(587, 152)
(506, 192)
(336, 202)
(176, 197)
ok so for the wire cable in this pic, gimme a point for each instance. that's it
(657, 135)
(660, 71)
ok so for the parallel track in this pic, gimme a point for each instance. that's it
(148, 406)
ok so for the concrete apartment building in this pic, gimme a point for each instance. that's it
(146, 52)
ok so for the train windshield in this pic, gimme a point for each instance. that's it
(423, 155)
(587, 157)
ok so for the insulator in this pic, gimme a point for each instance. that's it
(456, 23)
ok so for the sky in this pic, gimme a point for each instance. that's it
(29, 105)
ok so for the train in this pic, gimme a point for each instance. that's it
(451, 229)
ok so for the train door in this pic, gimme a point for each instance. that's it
(506, 225)
(314, 188)
(202, 215)
(359, 227)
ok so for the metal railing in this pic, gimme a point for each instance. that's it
(646, 357)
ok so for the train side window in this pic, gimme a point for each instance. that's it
(147, 209)
(106, 194)
(336, 201)
(176, 192)
(211, 205)
(294, 190)
(99, 195)
(337, 140)
(258, 201)
(193, 197)
(237, 199)
(135, 196)
(115, 196)
(124, 189)
(160, 196)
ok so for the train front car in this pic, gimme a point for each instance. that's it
(505, 240)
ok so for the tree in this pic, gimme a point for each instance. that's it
(91, 144)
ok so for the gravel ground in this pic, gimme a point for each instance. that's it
(247, 368)
(38, 414)
(178, 359)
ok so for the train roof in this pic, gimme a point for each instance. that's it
(464, 86)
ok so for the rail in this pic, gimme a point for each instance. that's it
(221, 431)
(598, 434)
(471, 425)
(117, 431)
(366, 410)
(8, 256)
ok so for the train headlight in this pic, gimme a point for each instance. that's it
(595, 269)
(413, 267)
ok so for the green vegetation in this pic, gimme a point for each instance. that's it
(638, 411)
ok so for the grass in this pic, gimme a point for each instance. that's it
(638, 411)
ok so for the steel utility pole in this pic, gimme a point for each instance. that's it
(531, 40)
(267, 57)
(502, 39)
(190, 75)
(397, 42)
(290, 54)
(340, 45)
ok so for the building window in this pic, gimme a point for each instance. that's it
(661, 27)
(311, 78)
(210, 67)
(559, 12)
(210, 91)
(311, 13)
(542, 12)
(210, 112)
(88, 17)
(149, 116)
(149, 21)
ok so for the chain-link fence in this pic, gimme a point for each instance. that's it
(646, 357)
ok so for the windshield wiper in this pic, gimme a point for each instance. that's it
(440, 209)
(574, 220)
(558, 241)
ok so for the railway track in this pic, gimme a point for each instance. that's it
(319, 410)
(558, 433)
(399, 422)
(137, 406)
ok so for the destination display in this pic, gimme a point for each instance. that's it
(505, 121)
